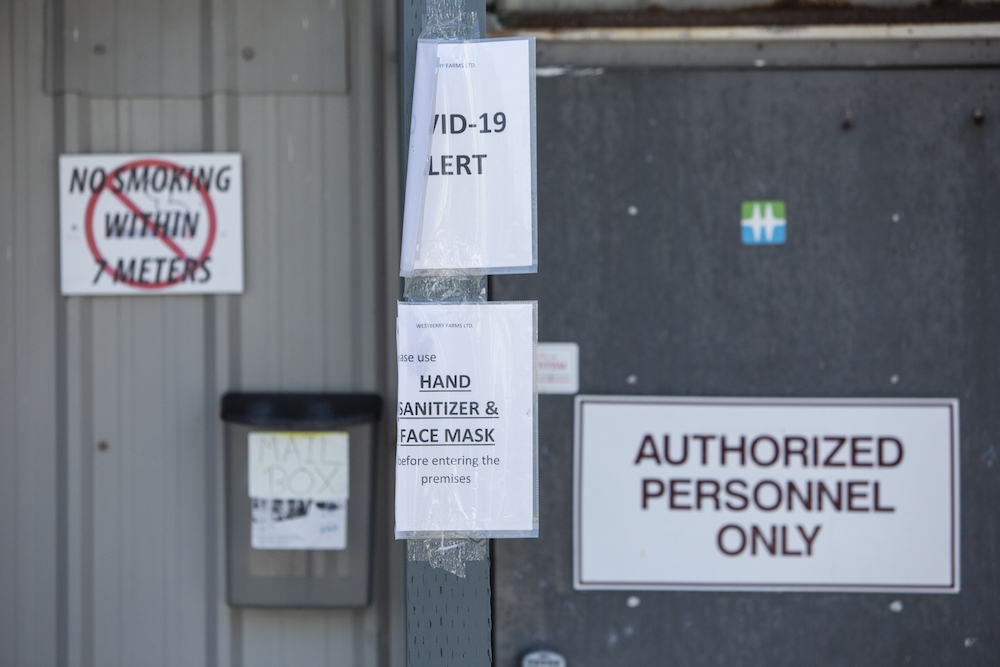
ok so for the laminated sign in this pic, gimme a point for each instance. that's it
(466, 420)
(470, 183)
(151, 224)
(767, 494)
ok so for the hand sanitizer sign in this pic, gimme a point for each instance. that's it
(763, 222)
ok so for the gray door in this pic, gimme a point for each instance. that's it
(887, 286)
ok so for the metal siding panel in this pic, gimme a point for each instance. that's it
(298, 638)
(143, 480)
(90, 36)
(131, 47)
(137, 49)
(141, 125)
(364, 161)
(368, 648)
(299, 235)
(36, 384)
(28, 306)
(150, 493)
(180, 57)
(297, 46)
(221, 622)
(342, 258)
(150, 485)
(8, 346)
(299, 251)
(260, 340)
(154, 47)
(136, 370)
(80, 448)
(181, 124)
(303, 637)
(108, 500)
(186, 574)
(262, 638)
(342, 646)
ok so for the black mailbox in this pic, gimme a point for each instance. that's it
(299, 498)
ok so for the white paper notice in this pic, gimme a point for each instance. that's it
(558, 368)
(465, 449)
(767, 494)
(470, 185)
(299, 485)
(298, 524)
(298, 465)
(169, 223)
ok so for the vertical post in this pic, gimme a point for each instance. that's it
(448, 617)
(411, 23)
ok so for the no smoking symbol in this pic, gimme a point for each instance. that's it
(166, 242)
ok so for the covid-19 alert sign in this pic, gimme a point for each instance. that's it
(470, 200)
(766, 494)
(151, 223)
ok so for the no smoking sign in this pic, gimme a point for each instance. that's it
(151, 224)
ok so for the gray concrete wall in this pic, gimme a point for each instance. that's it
(115, 556)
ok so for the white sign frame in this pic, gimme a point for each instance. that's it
(582, 581)
(172, 224)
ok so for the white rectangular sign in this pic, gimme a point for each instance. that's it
(298, 524)
(470, 184)
(298, 465)
(465, 438)
(766, 494)
(558, 368)
(299, 485)
(169, 223)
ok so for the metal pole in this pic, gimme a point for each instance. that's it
(448, 617)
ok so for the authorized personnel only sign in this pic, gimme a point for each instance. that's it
(151, 224)
(470, 183)
(766, 494)
(465, 437)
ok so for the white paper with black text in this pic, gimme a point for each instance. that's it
(470, 187)
(298, 483)
(792, 494)
(466, 419)
(151, 223)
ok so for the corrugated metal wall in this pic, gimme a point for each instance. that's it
(114, 555)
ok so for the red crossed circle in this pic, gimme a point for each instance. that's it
(88, 221)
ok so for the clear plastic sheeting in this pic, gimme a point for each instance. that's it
(440, 287)
(467, 428)
(449, 552)
(470, 197)
(447, 20)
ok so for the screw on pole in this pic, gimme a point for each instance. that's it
(448, 610)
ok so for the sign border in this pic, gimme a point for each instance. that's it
(579, 584)
(66, 161)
